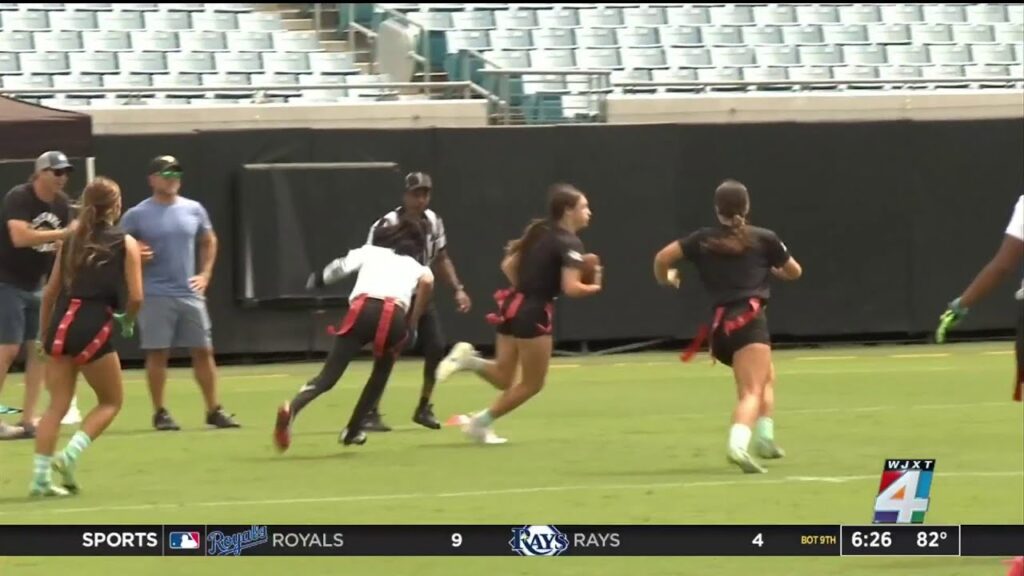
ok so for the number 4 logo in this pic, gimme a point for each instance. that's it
(758, 540)
(906, 495)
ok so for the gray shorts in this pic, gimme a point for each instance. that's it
(19, 315)
(174, 322)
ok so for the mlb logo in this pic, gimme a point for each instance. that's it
(184, 540)
(904, 492)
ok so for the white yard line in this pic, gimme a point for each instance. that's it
(749, 482)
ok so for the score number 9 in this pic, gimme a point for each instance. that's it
(456, 540)
(871, 539)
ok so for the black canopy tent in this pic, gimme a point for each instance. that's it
(28, 130)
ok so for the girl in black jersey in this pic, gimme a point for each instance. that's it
(540, 265)
(734, 261)
(91, 270)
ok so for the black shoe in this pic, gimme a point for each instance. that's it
(373, 423)
(162, 420)
(221, 419)
(359, 438)
(424, 416)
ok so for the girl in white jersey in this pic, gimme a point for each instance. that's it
(389, 276)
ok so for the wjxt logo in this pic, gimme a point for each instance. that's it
(538, 541)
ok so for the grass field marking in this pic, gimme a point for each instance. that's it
(928, 355)
(998, 353)
(752, 481)
(812, 358)
(566, 365)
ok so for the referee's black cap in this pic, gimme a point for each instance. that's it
(162, 163)
(417, 180)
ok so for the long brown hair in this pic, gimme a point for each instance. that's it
(561, 197)
(97, 212)
(732, 201)
(406, 237)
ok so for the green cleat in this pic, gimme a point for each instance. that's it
(67, 472)
(768, 450)
(742, 459)
(37, 490)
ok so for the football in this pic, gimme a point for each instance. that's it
(589, 271)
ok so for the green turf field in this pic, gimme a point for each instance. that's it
(619, 439)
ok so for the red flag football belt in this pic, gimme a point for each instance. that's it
(515, 300)
(380, 338)
(729, 325)
(62, 334)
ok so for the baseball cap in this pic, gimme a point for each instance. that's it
(53, 160)
(415, 180)
(164, 163)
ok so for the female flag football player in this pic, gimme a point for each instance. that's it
(1006, 261)
(734, 261)
(389, 275)
(545, 261)
(90, 272)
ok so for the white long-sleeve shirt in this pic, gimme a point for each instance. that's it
(382, 273)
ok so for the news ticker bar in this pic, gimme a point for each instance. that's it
(508, 540)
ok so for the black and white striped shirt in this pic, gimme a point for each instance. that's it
(436, 238)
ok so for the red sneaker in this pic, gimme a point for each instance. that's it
(282, 428)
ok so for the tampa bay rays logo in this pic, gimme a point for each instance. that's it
(538, 541)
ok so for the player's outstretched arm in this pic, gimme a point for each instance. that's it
(664, 274)
(1005, 261)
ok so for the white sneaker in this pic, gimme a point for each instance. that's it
(9, 432)
(74, 416)
(482, 435)
(742, 459)
(455, 361)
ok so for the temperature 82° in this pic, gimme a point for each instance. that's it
(931, 538)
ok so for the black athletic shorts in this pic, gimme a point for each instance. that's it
(522, 316)
(80, 329)
(377, 321)
(725, 343)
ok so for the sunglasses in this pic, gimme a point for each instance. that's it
(171, 174)
(61, 172)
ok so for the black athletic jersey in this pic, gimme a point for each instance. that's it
(25, 267)
(103, 279)
(540, 267)
(732, 277)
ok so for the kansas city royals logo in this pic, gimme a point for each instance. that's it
(538, 541)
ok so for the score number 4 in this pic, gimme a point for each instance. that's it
(758, 540)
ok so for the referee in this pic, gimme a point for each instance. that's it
(415, 202)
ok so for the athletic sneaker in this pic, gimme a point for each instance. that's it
(162, 420)
(768, 450)
(374, 423)
(424, 416)
(283, 428)
(359, 438)
(221, 419)
(66, 470)
(455, 361)
(482, 435)
(46, 490)
(8, 432)
(742, 459)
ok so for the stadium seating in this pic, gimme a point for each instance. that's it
(97, 46)
(875, 38)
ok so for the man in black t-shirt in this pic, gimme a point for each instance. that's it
(35, 219)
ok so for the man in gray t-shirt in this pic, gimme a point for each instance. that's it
(167, 227)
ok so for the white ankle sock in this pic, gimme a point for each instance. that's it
(739, 437)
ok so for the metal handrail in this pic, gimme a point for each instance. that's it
(354, 27)
(548, 71)
(464, 85)
(825, 82)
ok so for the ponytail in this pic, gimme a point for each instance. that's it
(84, 247)
(736, 242)
(530, 235)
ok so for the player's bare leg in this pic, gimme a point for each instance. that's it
(764, 432)
(751, 369)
